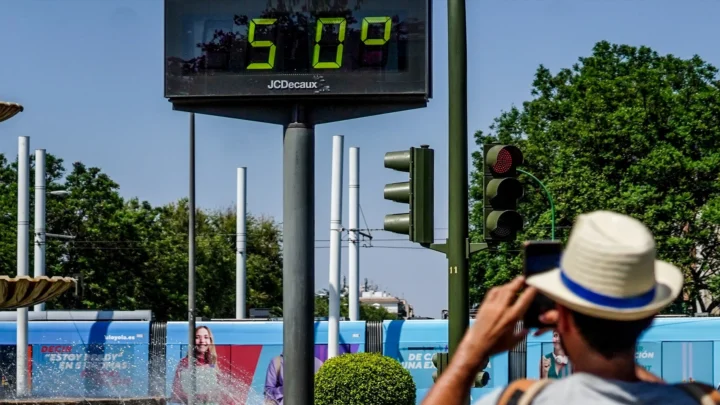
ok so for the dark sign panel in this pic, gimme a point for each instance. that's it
(318, 48)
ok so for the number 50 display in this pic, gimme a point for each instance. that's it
(337, 62)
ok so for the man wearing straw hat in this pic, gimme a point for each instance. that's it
(608, 289)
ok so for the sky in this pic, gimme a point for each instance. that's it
(90, 75)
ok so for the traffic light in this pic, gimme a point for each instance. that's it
(502, 192)
(440, 361)
(418, 192)
(483, 377)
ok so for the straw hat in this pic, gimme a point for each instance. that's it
(608, 270)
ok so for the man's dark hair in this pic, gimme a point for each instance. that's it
(610, 338)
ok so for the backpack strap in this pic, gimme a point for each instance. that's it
(522, 392)
(703, 393)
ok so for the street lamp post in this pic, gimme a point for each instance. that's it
(40, 217)
(7, 111)
(23, 223)
(25, 295)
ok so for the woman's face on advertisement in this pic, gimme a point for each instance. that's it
(202, 340)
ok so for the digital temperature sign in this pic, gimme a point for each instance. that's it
(307, 48)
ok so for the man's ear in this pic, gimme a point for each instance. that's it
(565, 321)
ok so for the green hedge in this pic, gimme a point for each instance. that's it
(364, 379)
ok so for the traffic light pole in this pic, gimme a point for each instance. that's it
(418, 192)
(458, 247)
(457, 243)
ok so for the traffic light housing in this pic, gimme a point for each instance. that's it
(441, 362)
(483, 377)
(502, 190)
(418, 193)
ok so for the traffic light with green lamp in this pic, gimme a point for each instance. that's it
(418, 193)
(502, 191)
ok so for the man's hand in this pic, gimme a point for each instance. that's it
(493, 332)
(494, 328)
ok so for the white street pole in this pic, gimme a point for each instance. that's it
(335, 234)
(40, 213)
(241, 241)
(23, 242)
(354, 234)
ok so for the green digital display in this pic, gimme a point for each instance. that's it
(324, 48)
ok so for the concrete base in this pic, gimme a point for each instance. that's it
(86, 401)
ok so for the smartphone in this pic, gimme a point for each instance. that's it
(539, 257)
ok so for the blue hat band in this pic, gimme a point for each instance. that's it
(605, 300)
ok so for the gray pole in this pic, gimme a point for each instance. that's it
(298, 263)
(23, 253)
(191, 265)
(40, 194)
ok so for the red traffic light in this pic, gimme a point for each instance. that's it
(503, 159)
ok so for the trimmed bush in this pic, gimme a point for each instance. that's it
(364, 379)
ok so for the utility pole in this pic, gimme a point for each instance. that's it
(40, 194)
(354, 235)
(335, 239)
(41, 234)
(241, 242)
(23, 254)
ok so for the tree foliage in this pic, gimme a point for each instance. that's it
(130, 255)
(624, 129)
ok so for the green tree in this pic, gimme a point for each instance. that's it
(8, 206)
(131, 255)
(108, 248)
(624, 129)
(215, 262)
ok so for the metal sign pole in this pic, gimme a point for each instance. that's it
(298, 263)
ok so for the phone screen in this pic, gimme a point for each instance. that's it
(540, 256)
(541, 263)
